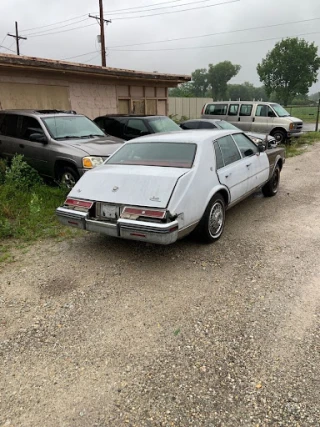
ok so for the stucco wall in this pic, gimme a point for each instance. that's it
(93, 99)
(86, 95)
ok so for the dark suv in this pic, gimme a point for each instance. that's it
(61, 145)
(130, 126)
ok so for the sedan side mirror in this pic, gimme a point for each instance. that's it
(248, 152)
(38, 137)
(261, 148)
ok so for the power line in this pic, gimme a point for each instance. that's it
(211, 46)
(52, 29)
(215, 34)
(55, 23)
(7, 48)
(142, 7)
(77, 56)
(63, 31)
(91, 59)
(177, 11)
(158, 8)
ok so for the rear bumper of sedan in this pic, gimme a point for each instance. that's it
(159, 233)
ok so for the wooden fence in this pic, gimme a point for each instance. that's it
(186, 107)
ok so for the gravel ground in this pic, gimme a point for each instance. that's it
(102, 332)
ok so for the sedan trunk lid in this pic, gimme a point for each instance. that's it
(149, 186)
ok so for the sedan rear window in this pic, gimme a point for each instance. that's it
(166, 154)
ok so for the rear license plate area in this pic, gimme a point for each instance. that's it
(109, 211)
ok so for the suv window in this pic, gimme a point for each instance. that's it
(217, 109)
(135, 127)
(229, 150)
(110, 126)
(245, 144)
(245, 110)
(9, 125)
(233, 110)
(29, 125)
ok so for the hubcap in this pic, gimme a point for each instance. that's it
(68, 180)
(278, 137)
(216, 219)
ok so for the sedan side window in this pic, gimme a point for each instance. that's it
(136, 127)
(219, 159)
(189, 125)
(207, 125)
(229, 150)
(246, 147)
(29, 126)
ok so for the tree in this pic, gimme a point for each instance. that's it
(218, 77)
(184, 90)
(290, 68)
(200, 82)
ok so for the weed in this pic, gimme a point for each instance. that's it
(299, 145)
(20, 175)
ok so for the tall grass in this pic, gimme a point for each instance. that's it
(27, 205)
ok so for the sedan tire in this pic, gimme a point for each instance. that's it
(211, 226)
(270, 189)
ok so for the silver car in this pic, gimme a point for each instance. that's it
(60, 145)
(258, 138)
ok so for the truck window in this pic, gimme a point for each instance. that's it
(245, 110)
(233, 110)
(217, 109)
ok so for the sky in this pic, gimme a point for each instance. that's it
(211, 31)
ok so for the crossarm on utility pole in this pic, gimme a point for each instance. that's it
(17, 37)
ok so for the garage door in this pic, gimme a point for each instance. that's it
(25, 95)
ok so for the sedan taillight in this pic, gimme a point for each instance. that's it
(77, 203)
(149, 213)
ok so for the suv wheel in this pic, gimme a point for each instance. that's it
(68, 176)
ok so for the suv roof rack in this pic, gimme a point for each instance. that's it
(56, 111)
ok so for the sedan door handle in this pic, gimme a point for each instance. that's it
(248, 165)
(227, 176)
(21, 145)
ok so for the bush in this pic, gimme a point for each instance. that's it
(20, 175)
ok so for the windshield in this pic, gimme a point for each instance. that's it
(281, 112)
(167, 154)
(163, 124)
(225, 125)
(64, 127)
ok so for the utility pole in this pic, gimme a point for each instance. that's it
(101, 21)
(17, 37)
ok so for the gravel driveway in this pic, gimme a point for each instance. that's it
(102, 332)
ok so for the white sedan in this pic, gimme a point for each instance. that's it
(161, 187)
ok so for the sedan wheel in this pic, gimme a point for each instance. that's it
(216, 219)
(212, 223)
(271, 188)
